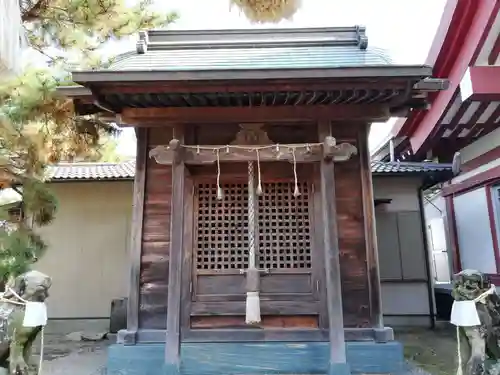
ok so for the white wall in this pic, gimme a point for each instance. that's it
(435, 207)
(438, 238)
(474, 232)
(478, 148)
(403, 266)
(87, 254)
(10, 42)
(473, 229)
(402, 191)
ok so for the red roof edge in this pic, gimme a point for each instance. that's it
(476, 23)
(446, 44)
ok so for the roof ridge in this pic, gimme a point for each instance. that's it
(180, 39)
(90, 163)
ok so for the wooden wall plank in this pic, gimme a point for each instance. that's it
(156, 237)
(136, 238)
(268, 321)
(376, 318)
(352, 245)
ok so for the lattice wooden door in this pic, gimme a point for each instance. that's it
(284, 247)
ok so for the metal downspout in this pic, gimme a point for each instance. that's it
(430, 284)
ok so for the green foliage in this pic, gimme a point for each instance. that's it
(38, 126)
(107, 151)
(20, 248)
(39, 201)
(82, 27)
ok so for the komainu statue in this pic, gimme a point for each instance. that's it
(479, 344)
(16, 340)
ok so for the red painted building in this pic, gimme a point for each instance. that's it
(466, 119)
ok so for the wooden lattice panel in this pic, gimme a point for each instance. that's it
(284, 228)
(283, 225)
(221, 232)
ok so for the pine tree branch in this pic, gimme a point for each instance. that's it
(38, 127)
(32, 13)
(39, 49)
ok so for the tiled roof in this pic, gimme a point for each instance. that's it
(380, 167)
(253, 58)
(92, 171)
(126, 170)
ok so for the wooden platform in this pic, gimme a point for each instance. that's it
(256, 359)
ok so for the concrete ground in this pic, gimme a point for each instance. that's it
(63, 355)
(428, 352)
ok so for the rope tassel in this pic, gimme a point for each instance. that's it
(259, 181)
(252, 309)
(296, 191)
(220, 192)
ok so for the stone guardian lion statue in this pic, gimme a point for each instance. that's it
(16, 341)
(480, 344)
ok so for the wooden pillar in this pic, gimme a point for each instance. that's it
(128, 336)
(172, 342)
(371, 237)
(337, 354)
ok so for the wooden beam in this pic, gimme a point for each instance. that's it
(172, 342)
(248, 86)
(455, 126)
(161, 116)
(495, 51)
(128, 337)
(338, 362)
(209, 155)
(472, 123)
(157, 336)
(370, 230)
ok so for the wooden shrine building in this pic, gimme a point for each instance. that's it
(253, 247)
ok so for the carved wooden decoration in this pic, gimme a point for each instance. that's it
(251, 134)
(303, 154)
(248, 140)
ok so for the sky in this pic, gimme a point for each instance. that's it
(404, 28)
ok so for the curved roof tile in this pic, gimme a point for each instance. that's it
(126, 170)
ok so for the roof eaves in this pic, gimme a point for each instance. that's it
(75, 91)
(416, 72)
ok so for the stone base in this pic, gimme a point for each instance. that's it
(256, 358)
